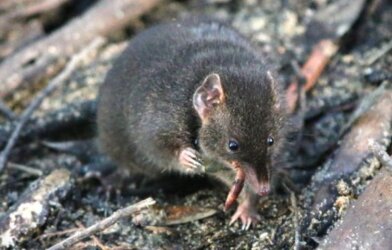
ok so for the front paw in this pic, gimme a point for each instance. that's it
(248, 215)
(191, 161)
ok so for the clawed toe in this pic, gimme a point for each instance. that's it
(247, 215)
(246, 226)
(190, 159)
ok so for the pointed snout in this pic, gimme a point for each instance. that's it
(264, 189)
(257, 180)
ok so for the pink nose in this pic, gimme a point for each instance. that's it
(264, 189)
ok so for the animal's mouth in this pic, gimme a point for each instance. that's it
(248, 174)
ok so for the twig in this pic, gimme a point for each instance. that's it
(311, 70)
(24, 168)
(73, 115)
(95, 238)
(52, 85)
(68, 231)
(379, 53)
(45, 57)
(103, 224)
(37, 8)
(25, 17)
(7, 112)
(379, 151)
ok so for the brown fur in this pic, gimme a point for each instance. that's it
(146, 113)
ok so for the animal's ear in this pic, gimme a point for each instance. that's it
(208, 95)
(274, 87)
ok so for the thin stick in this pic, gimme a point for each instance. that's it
(25, 168)
(68, 231)
(37, 8)
(103, 224)
(321, 54)
(379, 53)
(45, 57)
(95, 238)
(7, 112)
(52, 85)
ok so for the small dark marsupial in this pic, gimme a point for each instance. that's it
(194, 80)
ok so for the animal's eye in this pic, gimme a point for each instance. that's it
(233, 145)
(270, 141)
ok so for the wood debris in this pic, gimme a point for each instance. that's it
(33, 207)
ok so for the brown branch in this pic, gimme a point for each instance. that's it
(15, 18)
(45, 57)
(101, 225)
(311, 70)
(37, 8)
(19, 25)
(58, 80)
(22, 24)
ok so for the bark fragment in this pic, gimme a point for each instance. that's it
(352, 156)
(33, 207)
(368, 221)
